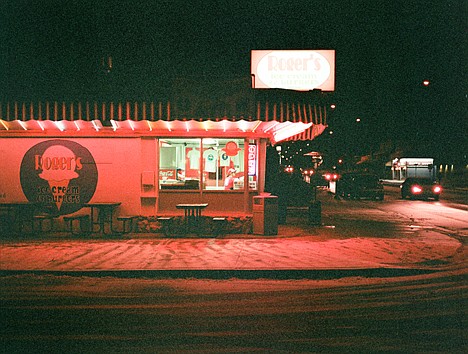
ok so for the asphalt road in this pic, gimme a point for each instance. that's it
(457, 198)
(449, 215)
(53, 314)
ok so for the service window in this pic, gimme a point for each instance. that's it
(223, 164)
(179, 163)
(208, 163)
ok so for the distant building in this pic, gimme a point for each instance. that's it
(403, 168)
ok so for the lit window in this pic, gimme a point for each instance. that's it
(223, 164)
(208, 163)
(179, 163)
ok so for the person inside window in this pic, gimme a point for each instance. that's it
(180, 176)
(229, 180)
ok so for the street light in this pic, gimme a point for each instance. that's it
(278, 149)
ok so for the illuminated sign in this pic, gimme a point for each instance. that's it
(300, 70)
(252, 160)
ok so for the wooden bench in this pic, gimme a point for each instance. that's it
(128, 223)
(165, 222)
(83, 223)
(219, 224)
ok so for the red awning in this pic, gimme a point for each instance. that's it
(274, 119)
(273, 130)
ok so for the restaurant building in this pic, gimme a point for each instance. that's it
(134, 159)
(150, 156)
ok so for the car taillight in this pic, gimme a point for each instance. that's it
(437, 189)
(416, 189)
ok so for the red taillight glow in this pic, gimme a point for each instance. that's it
(437, 189)
(416, 189)
(331, 176)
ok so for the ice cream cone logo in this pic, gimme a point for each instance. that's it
(58, 189)
(58, 165)
(59, 175)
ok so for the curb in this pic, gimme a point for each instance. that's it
(276, 274)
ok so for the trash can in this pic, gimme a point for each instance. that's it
(265, 215)
(315, 212)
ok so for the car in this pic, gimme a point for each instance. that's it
(420, 188)
(360, 185)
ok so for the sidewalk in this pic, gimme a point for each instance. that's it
(295, 248)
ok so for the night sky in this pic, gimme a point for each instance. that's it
(52, 50)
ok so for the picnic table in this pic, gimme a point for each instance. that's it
(192, 214)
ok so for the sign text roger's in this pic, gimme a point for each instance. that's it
(300, 70)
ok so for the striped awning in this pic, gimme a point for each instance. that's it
(305, 120)
(273, 130)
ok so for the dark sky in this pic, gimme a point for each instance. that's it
(52, 49)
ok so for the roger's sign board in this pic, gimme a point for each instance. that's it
(300, 70)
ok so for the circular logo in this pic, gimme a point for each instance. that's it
(59, 175)
(231, 148)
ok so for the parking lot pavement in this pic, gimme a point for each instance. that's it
(294, 248)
